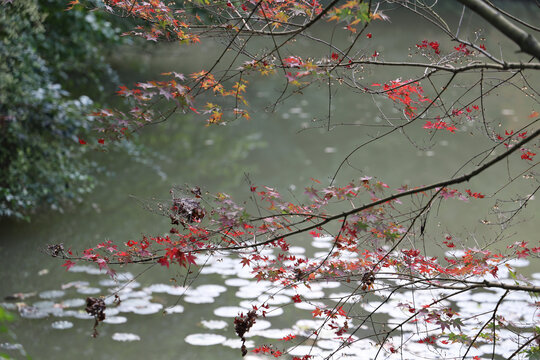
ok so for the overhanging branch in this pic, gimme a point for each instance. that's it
(526, 42)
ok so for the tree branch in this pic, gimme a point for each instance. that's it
(526, 42)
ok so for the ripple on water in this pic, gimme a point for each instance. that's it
(126, 337)
(205, 339)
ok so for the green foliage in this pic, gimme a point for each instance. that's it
(5, 318)
(44, 51)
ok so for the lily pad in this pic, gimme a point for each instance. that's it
(62, 325)
(125, 337)
(205, 339)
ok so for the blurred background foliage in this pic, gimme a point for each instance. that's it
(47, 56)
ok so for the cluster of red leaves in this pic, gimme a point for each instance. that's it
(408, 93)
(164, 22)
(510, 138)
(475, 262)
(462, 48)
(522, 250)
(266, 349)
(475, 195)
(439, 124)
(176, 89)
(432, 44)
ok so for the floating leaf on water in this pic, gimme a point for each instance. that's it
(304, 305)
(329, 344)
(210, 270)
(518, 262)
(321, 244)
(75, 284)
(214, 324)
(88, 290)
(236, 282)
(243, 273)
(51, 294)
(111, 312)
(229, 311)
(305, 349)
(139, 306)
(270, 333)
(324, 238)
(199, 299)
(454, 253)
(73, 303)
(165, 288)
(47, 307)
(204, 339)
(62, 325)
(308, 324)
(176, 309)
(211, 290)
(125, 337)
(108, 282)
(132, 294)
(273, 311)
(44, 304)
(274, 300)
(86, 269)
(484, 297)
(82, 315)
(30, 312)
(152, 308)
(329, 284)
(125, 276)
(296, 250)
(237, 344)
(115, 320)
(248, 293)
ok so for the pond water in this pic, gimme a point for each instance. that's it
(160, 317)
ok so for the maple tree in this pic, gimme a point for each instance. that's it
(377, 234)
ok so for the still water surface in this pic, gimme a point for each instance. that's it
(161, 319)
